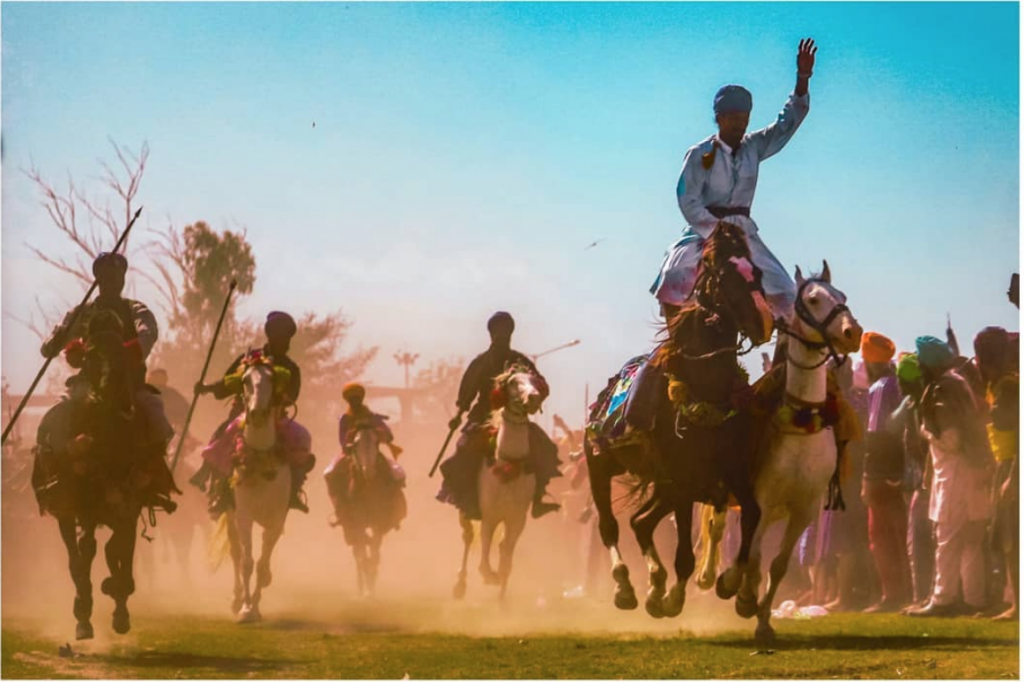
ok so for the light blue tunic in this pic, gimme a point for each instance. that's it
(730, 182)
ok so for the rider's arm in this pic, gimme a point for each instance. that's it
(343, 431)
(470, 385)
(59, 337)
(689, 190)
(771, 139)
(219, 389)
(145, 327)
(294, 384)
(383, 430)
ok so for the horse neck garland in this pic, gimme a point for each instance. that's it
(282, 375)
(704, 413)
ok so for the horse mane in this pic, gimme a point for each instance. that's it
(725, 242)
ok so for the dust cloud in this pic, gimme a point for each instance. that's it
(314, 577)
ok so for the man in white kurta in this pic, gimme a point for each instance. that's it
(718, 182)
(960, 504)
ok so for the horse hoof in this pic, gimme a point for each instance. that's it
(247, 616)
(654, 605)
(672, 605)
(724, 590)
(625, 599)
(459, 591)
(764, 637)
(491, 578)
(83, 630)
(122, 623)
(706, 581)
(745, 608)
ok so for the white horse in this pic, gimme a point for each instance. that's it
(794, 472)
(262, 484)
(506, 485)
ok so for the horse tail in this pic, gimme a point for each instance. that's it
(639, 489)
(219, 545)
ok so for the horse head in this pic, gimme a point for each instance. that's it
(365, 448)
(258, 390)
(729, 284)
(519, 391)
(821, 318)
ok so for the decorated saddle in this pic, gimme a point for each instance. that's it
(294, 445)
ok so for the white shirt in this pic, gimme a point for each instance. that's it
(732, 180)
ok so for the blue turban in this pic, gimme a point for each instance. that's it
(934, 354)
(732, 98)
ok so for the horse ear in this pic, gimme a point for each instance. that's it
(825, 274)
(799, 276)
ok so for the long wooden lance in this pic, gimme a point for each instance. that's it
(206, 366)
(451, 432)
(71, 325)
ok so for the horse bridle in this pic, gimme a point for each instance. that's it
(805, 316)
(753, 286)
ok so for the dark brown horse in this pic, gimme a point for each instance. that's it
(696, 449)
(91, 471)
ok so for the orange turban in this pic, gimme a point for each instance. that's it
(876, 348)
(353, 391)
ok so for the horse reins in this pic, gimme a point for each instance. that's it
(805, 316)
(737, 348)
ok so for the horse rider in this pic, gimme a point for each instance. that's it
(718, 181)
(279, 328)
(138, 329)
(460, 471)
(358, 417)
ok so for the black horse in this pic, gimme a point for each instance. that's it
(695, 447)
(95, 467)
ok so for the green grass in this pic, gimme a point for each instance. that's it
(366, 645)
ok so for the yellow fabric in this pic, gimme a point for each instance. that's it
(1004, 444)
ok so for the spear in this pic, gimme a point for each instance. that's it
(70, 325)
(451, 432)
(206, 366)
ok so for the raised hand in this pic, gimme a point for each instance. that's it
(805, 57)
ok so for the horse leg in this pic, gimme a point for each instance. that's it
(459, 591)
(750, 518)
(359, 554)
(80, 565)
(487, 528)
(601, 491)
(374, 562)
(263, 575)
(507, 546)
(120, 552)
(685, 561)
(799, 519)
(245, 525)
(644, 522)
(235, 547)
(712, 528)
(750, 574)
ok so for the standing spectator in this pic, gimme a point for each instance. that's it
(907, 423)
(882, 487)
(960, 502)
(995, 351)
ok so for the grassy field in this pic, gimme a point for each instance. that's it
(367, 643)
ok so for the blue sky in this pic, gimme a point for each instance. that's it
(465, 154)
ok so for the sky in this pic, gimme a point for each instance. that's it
(465, 155)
